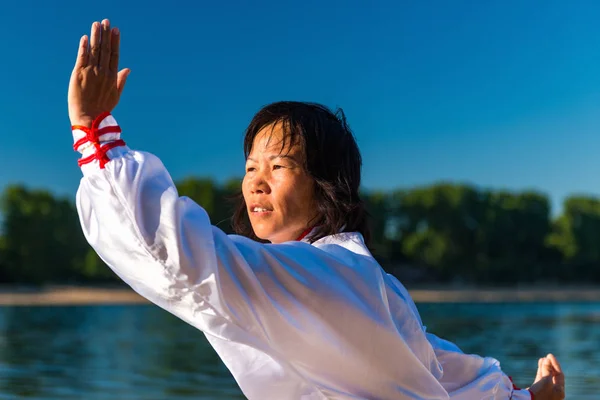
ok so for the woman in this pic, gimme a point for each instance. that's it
(308, 315)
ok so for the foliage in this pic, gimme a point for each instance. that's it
(446, 231)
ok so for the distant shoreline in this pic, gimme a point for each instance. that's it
(84, 295)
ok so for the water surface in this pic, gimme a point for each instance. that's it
(142, 352)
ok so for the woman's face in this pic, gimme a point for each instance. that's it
(278, 191)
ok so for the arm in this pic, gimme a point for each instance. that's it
(285, 299)
(467, 376)
(293, 302)
(166, 249)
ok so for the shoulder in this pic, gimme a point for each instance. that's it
(349, 241)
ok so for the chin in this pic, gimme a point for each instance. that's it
(261, 232)
(271, 233)
(268, 235)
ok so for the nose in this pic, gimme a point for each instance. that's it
(259, 185)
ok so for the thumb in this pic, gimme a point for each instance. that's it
(122, 78)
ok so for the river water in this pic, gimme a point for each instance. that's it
(142, 352)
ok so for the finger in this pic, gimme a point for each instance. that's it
(555, 363)
(82, 53)
(105, 45)
(547, 369)
(538, 375)
(122, 79)
(115, 41)
(558, 377)
(94, 45)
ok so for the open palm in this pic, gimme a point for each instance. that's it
(96, 84)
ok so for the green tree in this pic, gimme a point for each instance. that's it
(479, 235)
(449, 231)
(228, 195)
(575, 235)
(377, 205)
(218, 201)
(512, 237)
(202, 190)
(440, 226)
(42, 239)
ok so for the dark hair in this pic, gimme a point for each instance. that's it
(332, 159)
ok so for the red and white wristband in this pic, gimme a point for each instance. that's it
(514, 387)
(93, 143)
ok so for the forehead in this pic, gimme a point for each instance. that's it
(276, 138)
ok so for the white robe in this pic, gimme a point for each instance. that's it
(291, 320)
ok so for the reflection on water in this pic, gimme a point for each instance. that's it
(142, 352)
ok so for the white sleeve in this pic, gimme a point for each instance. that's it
(468, 376)
(465, 376)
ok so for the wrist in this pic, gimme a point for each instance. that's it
(98, 141)
(85, 118)
(82, 121)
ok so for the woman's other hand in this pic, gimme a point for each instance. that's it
(549, 381)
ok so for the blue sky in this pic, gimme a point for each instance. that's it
(502, 94)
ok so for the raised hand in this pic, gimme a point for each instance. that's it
(96, 84)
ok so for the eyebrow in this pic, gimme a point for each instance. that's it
(271, 158)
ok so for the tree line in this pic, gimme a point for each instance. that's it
(437, 233)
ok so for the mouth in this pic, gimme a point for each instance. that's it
(259, 209)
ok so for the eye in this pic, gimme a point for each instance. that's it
(278, 166)
(250, 169)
